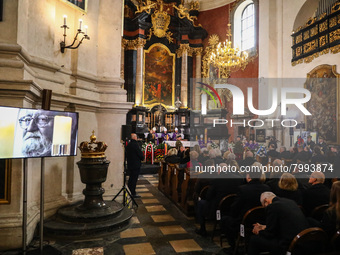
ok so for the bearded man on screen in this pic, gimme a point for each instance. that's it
(37, 132)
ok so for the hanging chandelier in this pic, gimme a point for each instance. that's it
(224, 57)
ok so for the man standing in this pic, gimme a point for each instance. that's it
(134, 156)
(310, 143)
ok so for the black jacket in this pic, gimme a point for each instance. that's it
(248, 197)
(314, 196)
(134, 155)
(284, 220)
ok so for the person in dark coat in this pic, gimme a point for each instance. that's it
(288, 188)
(284, 154)
(272, 152)
(134, 157)
(249, 159)
(284, 220)
(247, 197)
(317, 194)
(222, 185)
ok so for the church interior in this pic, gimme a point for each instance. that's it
(201, 86)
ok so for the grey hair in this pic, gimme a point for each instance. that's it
(266, 195)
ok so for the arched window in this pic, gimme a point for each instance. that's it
(248, 28)
(244, 28)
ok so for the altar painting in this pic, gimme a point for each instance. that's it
(159, 76)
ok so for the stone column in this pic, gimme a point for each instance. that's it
(195, 92)
(183, 51)
(139, 71)
(122, 60)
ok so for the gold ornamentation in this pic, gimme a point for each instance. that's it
(160, 23)
(299, 38)
(197, 51)
(213, 40)
(311, 57)
(307, 47)
(335, 49)
(194, 5)
(184, 13)
(133, 44)
(322, 40)
(92, 149)
(183, 48)
(323, 26)
(298, 51)
(314, 31)
(334, 35)
(333, 22)
(336, 7)
(306, 35)
(146, 7)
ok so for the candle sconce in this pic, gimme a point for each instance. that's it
(79, 31)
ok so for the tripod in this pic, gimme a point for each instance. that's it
(124, 189)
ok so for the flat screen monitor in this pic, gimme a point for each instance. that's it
(35, 133)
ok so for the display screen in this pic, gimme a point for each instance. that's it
(35, 133)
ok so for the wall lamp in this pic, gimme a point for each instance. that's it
(72, 46)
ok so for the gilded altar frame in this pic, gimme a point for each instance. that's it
(314, 74)
(172, 55)
(5, 185)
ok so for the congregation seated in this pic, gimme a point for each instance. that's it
(216, 155)
(302, 155)
(284, 154)
(205, 155)
(288, 188)
(197, 148)
(318, 156)
(185, 158)
(272, 152)
(317, 194)
(284, 220)
(247, 197)
(249, 159)
(221, 185)
(274, 177)
(331, 219)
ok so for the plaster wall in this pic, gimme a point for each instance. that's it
(86, 80)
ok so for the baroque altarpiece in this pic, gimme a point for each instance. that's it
(162, 44)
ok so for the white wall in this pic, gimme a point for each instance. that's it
(86, 80)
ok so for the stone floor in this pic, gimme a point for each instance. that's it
(157, 227)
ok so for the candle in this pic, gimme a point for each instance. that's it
(65, 17)
(80, 22)
(86, 29)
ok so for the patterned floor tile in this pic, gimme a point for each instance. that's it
(185, 245)
(89, 251)
(132, 232)
(162, 218)
(136, 249)
(155, 208)
(172, 230)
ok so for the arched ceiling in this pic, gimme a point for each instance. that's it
(307, 11)
(212, 4)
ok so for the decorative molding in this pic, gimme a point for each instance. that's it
(198, 51)
(133, 44)
(183, 48)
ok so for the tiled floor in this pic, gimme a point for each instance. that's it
(157, 227)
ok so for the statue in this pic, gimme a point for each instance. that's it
(159, 115)
(146, 7)
(183, 13)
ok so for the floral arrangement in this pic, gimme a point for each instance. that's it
(154, 152)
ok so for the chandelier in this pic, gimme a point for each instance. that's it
(224, 57)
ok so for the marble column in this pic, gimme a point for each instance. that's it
(184, 48)
(198, 76)
(139, 71)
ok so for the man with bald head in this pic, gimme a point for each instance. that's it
(134, 156)
(317, 194)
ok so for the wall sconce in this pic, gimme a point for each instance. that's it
(63, 43)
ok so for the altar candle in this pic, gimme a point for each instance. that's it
(65, 17)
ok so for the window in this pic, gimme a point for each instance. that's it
(244, 26)
(248, 28)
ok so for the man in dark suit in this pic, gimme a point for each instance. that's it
(316, 195)
(134, 156)
(284, 220)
